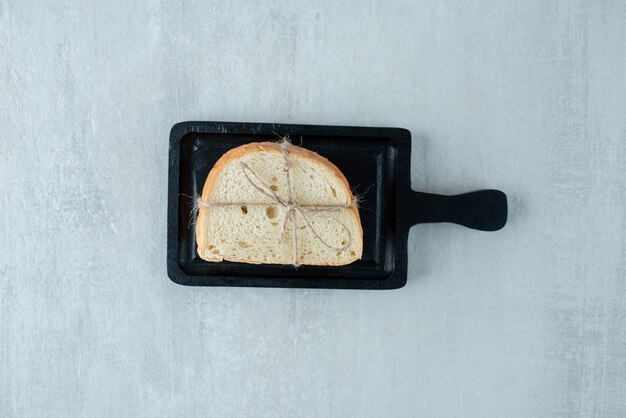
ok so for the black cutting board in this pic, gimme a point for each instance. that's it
(376, 162)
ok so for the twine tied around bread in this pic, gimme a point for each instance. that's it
(293, 209)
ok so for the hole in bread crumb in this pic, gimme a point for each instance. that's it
(343, 242)
(243, 244)
(223, 241)
(274, 187)
(352, 253)
(271, 212)
(338, 253)
(332, 189)
(215, 251)
(210, 247)
(244, 210)
(274, 179)
(311, 176)
(301, 258)
(275, 223)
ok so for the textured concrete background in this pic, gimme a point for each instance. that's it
(528, 97)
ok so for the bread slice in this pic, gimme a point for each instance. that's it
(245, 212)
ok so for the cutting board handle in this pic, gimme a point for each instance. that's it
(485, 210)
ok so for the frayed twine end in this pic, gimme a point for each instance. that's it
(195, 207)
(201, 203)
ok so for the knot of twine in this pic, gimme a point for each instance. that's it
(293, 209)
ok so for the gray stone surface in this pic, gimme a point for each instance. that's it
(525, 96)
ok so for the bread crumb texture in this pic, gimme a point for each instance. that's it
(250, 231)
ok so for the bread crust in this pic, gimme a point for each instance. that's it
(294, 151)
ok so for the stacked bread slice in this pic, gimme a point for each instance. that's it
(277, 203)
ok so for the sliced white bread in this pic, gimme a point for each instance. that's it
(246, 198)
